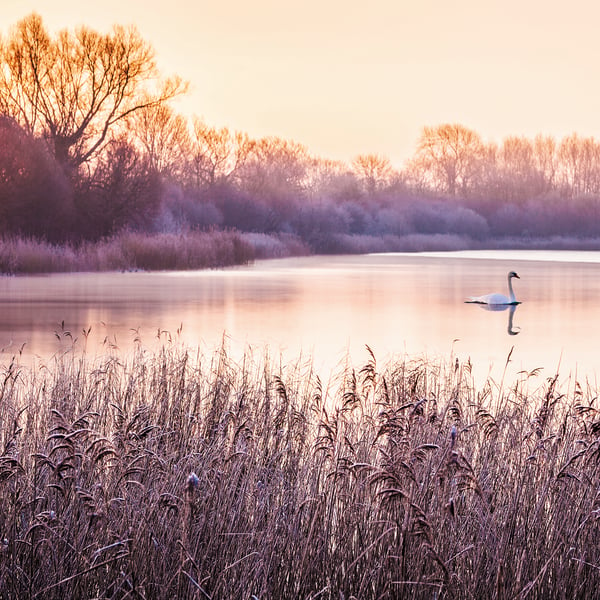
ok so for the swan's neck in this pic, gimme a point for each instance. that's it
(511, 294)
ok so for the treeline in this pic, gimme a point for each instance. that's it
(91, 146)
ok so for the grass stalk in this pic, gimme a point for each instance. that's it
(173, 474)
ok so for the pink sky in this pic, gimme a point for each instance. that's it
(348, 77)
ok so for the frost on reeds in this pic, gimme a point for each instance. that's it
(19, 255)
(146, 251)
(177, 475)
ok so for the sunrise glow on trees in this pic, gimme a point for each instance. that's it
(92, 145)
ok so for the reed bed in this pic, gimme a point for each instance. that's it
(146, 251)
(177, 475)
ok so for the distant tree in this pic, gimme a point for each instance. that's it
(526, 168)
(317, 224)
(449, 159)
(76, 88)
(164, 139)
(374, 171)
(123, 192)
(546, 161)
(216, 155)
(275, 169)
(518, 157)
(333, 179)
(517, 176)
(579, 160)
(246, 212)
(35, 197)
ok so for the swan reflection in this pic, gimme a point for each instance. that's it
(512, 308)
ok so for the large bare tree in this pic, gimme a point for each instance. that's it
(77, 87)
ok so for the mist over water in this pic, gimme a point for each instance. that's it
(327, 309)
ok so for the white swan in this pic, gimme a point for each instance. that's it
(498, 299)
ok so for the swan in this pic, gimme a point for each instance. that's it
(498, 299)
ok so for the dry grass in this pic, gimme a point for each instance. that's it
(146, 251)
(171, 475)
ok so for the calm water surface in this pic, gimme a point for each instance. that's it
(328, 308)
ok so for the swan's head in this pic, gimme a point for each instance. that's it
(513, 274)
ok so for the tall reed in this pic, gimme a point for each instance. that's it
(175, 474)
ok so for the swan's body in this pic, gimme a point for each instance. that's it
(498, 299)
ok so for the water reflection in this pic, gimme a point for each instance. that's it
(512, 308)
(323, 307)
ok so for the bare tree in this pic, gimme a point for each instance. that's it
(449, 158)
(546, 161)
(216, 155)
(527, 167)
(164, 138)
(327, 178)
(518, 156)
(275, 168)
(579, 160)
(516, 169)
(76, 88)
(375, 171)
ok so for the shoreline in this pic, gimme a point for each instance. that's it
(130, 251)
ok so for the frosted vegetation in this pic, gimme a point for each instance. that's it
(173, 475)
(92, 151)
(177, 475)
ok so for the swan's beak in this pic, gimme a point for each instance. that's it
(517, 276)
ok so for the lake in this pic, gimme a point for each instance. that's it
(327, 308)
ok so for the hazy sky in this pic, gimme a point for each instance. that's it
(348, 77)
